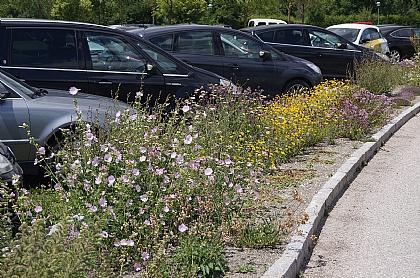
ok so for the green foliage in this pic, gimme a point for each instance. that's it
(199, 256)
(66, 250)
(245, 269)
(260, 233)
(177, 11)
(377, 75)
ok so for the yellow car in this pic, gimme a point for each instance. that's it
(363, 34)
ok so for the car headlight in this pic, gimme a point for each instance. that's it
(226, 83)
(5, 165)
(313, 67)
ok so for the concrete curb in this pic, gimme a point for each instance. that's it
(300, 246)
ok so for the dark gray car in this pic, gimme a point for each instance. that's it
(237, 56)
(333, 54)
(44, 115)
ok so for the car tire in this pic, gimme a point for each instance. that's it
(395, 55)
(296, 85)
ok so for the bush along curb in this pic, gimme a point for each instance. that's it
(301, 243)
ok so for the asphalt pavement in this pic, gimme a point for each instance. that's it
(374, 229)
(365, 221)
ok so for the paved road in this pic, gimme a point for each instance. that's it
(374, 229)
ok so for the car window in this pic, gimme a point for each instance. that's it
(9, 81)
(196, 42)
(402, 33)
(236, 45)
(327, 40)
(113, 53)
(320, 39)
(165, 41)
(47, 48)
(347, 33)
(374, 34)
(267, 36)
(365, 35)
(416, 31)
(289, 36)
(167, 65)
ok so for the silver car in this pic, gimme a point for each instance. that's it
(44, 113)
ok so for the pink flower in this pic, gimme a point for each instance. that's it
(145, 256)
(111, 180)
(182, 228)
(102, 202)
(188, 140)
(186, 108)
(208, 171)
(125, 242)
(38, 209)
(42, 150)
(73, 91)
(137, 267)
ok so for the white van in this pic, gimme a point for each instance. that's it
(264, 21)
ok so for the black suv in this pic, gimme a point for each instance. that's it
(399, 42)
(333, 54)
(235, 55)
(96, 59)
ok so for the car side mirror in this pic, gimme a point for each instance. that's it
(265, 55)
(150, 69)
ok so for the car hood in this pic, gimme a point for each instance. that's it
(65, 99)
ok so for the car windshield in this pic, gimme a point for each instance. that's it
(19, 86)
(167, 65)
(347, 33)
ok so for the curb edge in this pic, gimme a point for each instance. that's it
(300, 246)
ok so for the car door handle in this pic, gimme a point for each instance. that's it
(105, 82)
(234, 67)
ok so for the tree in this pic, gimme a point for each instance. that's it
(76, 10)
(179, 11)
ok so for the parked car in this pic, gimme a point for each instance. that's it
(399, 42)
(333, 54)
(366, 35)
(264, 21)
(97, 59)
(45, 114)
(8, 166)
(235, 55)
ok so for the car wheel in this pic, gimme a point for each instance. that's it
(296, 85)
(395, 55)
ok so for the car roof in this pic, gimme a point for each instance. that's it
(385, 28)
(277, 26)
(33, 22)
(177, 27)
(40, 22)
(353, 26)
